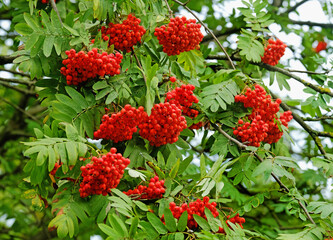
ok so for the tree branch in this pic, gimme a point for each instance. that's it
(280, 70)
(282, 186)
(218, 34)
(20, 109)
(19, 81)
(317, 119)
(15, 72)
(295, 7)
(169, 9)
(208, 30)
(311, 24)
(21, 90)
(6, 59)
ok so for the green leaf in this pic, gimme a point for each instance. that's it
(265, 168)
(32, 40)
(118, 225)
(141, 205)
(174, 169)
(182, 222)
(23, 29)
(156, 223)
(34, 149)
(48, 45)
(213, 223)
(179, 236)
(70, 226)
(108, 230)
(134, 227)
(52, 158)
(201, 222)
(111, 97)
(77, 97)
(31, 22)
(41, 157)
(170, 221)
(72, 153)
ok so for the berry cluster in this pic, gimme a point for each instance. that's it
(163, 125)
(55, 169)
(183, 97)
(124, 35)
(262, 125)
(120, 126)
(273, 52)
(196, 207)
(81, 66)
(235, 220)
(154, 190)
(103, 174)
(321, 46)
(180, 35)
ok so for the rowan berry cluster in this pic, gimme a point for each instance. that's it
(321, 46)
(120, 126)
(163, 125)
(235, 220)
(55, 169)
(155, 190)
(103, 174)
(180, 35)
(196, 207)
(124, 35)
(183, 97)
(81, 66)
(273, 52)
(262, 125)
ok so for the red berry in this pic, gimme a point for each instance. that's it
(173, 79)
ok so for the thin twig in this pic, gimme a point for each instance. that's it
(54, 6)
(21, 90)
(19, 81)
(295, 7)
(20, 109)
(140, 66)
(15, 72)
(318, 118)
(208, 30)
(280, 70)
(307, 72)
(311, 24)
(169, 9)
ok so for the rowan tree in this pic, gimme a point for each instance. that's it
(160, 120)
